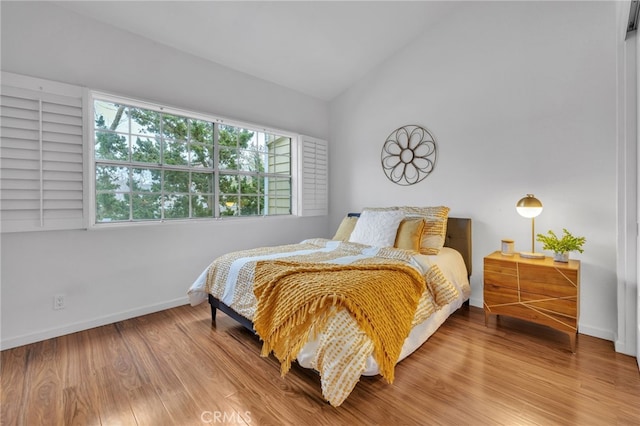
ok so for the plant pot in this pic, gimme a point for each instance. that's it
(561, 257)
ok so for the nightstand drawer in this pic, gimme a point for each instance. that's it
(565, 306)
(504, 267)
(502, 273)
(550, 319)
(547, 281)
(501, 280)
(498, 295)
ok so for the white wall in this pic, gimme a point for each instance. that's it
(521, 97)
(108, 275)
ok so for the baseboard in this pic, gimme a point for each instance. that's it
(475, 301)
(622, 348)
(627, 346)
(597, 332)
(85, 325)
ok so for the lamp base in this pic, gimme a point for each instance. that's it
(531, 255)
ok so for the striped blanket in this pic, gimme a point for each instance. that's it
(341, 348)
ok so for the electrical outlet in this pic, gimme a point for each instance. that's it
(58, 302)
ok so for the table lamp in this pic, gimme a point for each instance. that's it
(530, 206)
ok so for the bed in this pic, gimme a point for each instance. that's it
(349, 306)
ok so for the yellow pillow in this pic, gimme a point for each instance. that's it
(409, 234)
(435, 229)
(346, 227)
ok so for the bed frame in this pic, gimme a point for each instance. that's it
(458, 237)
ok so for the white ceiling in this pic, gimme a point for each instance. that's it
(319, 48)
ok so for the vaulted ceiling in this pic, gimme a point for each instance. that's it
(318, 48)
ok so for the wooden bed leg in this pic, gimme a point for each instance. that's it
(214, 307)
(213, 315)
(218, 305)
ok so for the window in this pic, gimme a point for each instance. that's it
(70, 158)
(153, 164)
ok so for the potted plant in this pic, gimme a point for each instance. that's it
(561, 246)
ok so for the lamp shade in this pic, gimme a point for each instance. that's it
(529, 206)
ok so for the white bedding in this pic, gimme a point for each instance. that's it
(448, 260)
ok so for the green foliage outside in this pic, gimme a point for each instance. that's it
(186, 147)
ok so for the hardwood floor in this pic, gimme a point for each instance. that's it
(174, 368)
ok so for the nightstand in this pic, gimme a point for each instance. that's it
(536, 290)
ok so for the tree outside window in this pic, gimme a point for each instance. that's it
(152, 165)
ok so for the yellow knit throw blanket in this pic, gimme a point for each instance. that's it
(296, 299)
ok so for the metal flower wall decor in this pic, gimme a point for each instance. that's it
(409, 155)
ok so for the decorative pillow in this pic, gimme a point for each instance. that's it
(346, 227)
(409, 234)
(435, 229)
(377, 228)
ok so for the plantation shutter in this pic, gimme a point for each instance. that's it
(41, 155)
(314, 185)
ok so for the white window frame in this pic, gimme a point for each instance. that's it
(91, 163)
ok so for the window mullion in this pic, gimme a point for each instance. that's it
(189, 195)
(162, 165)
(216, 170)
(130, 195)
(190, 162)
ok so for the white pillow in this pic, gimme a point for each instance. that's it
(377, 228)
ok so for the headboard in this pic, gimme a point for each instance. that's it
(458, 237)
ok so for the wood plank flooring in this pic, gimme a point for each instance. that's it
(174, 368)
